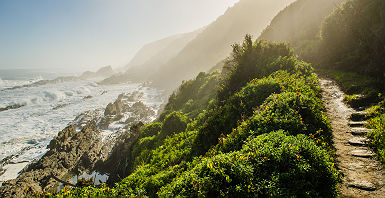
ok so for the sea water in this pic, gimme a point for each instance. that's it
(25, 132)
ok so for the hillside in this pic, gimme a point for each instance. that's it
(299, 25)
(155, 54)
(214, 43)
(260, 128)
(212, 141)
(352, 38)
(346, 45)
(151, 57)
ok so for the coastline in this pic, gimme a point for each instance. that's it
(110, 125)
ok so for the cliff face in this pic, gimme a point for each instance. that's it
(84, 146)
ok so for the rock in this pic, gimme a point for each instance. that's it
(359, 141)
(60, 106)
(14, 106)
(118, 156)
(114, 108)
(87, 97)
(362, 153)
(359, 131)
(359, 116)
(357, 124)
(363, 185)
(69, 151)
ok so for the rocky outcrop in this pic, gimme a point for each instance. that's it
(83, 146)
(125, 111)
(70, 152)
(117, 164)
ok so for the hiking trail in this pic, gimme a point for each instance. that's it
(363, 175)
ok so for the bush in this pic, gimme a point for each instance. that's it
(292, 112)
(193, 96)
(151, 129)
(240, 106)
(174, 122)
(378, 135)
(270, 165)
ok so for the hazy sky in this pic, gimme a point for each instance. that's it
(86, 34)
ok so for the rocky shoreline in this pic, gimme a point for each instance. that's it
(95, 141)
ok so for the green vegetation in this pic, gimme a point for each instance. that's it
(348, 46)
(352, 52)
(269, 165)
(299, 25)
(352, 38)
(377, 123)
(257, 129)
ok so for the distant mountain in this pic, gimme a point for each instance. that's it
(169, 61)
(102, 72)
(214, 43)
(162, 50)
(152, 56)
(156, 54)
(300, 24)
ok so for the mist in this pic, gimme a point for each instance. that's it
(86, 35)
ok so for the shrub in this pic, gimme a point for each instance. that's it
(292, 112)
(270, 165)
(174, 122)
(378, 135)
(193, 96)
(151, 129)
(240, 106)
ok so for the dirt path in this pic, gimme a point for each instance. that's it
(363, 175)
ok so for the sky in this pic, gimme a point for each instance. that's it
(78, 35)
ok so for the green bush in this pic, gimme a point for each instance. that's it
(292, 112)
(174, 122)
(150, 129)
(223, 119)
(142, 152)
(270, 165)
(378, 135)
(193, 96)
(254, 60)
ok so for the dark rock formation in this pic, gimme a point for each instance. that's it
(70, 152)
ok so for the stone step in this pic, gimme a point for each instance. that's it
(359, 141)
(363, 185)
(359, 131)
(362, 153)
(357, 124)
(358, 116)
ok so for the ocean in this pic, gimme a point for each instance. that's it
(46, 109)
